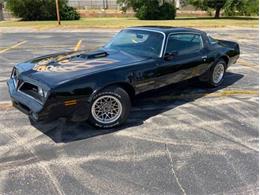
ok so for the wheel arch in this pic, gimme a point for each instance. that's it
(124, 85)
(225, 58)
(205, 76)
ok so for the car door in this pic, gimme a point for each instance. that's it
(185, 57)
(144, 78)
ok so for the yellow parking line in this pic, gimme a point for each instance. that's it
(247, 64)
(77, 47)
(12, 47)
(233, 93)
(238, 92)
(6, 106)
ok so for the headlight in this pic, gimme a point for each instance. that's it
(14, 73)
(42, 92)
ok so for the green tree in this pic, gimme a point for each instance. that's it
(150, 9)
(241, 7)
(41, 9)
(217, 5)
(251, 8)
(230, 7)
(1, 10)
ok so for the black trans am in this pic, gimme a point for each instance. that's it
(99, 86)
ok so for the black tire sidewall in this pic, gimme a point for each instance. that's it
(124, 99)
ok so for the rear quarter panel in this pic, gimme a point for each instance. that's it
(232, 50)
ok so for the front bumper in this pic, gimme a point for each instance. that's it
(46, 112)
(25, 103)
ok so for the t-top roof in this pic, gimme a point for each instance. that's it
(167, 29)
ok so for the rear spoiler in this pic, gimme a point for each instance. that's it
(230, 44)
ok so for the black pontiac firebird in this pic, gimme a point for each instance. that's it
(98, 86)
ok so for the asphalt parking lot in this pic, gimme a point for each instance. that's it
(183, 139)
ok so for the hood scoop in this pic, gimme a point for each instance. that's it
(93, 55)
(100, 54)
(73, 62)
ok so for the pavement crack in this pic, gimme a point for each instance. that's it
(233, 140)
(134, 155)
(172, 169)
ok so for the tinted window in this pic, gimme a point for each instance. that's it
(138, 42)
(184, 43)
(211, 40)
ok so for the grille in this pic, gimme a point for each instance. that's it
(26, 88)
(30, 90)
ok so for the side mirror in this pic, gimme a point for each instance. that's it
(170, 55)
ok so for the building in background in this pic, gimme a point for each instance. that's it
(94, 4)
(105, 4)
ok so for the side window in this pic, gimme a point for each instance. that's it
(184, 43)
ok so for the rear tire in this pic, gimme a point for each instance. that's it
(109, 108)
(216, 74)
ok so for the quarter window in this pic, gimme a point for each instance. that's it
(184, 43)
(211, 40)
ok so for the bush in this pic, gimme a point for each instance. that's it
(148, 11)
(167, 11)
(41, 10)
(69, 13)
(152, 11)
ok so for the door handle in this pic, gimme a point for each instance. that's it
(204, 58)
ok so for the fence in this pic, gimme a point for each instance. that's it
(94, 4)
(107, 4)
(7, 15)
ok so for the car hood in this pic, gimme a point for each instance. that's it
(59, 68)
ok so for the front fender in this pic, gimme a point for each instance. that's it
(87, 86)
(123, 80)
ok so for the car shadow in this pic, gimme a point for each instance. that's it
(145, 106)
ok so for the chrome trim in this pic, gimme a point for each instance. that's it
(210, 37)
(183, 33)
(18, 90)
(14, 78)
(15, 82)
(150, 30)
(13, 71)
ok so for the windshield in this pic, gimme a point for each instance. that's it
(138, 42)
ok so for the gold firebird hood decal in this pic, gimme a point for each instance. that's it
(61, 64)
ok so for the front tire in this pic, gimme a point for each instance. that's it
(217, 73)
(110, 108)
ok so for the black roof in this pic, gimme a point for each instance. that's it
(167, 29)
